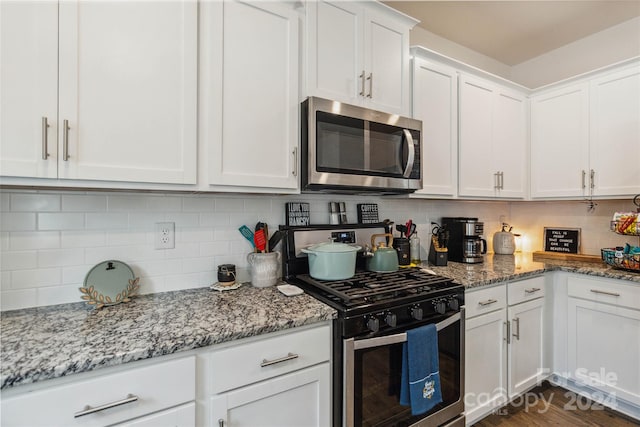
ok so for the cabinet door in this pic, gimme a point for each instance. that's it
(255, 70)
(28, 88)
(128, 91)
(615, 133)
(559, 142)
(386, 61)
(298, 399)
(485, 364)
(435, 102)
(335, 56)
(525, 351)
(510, 143)
(180, 416)
(604, 347)
(477, 175)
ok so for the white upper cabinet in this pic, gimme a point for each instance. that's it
(28, 88)
(435, 103)
(614, 150)
(358, 53)
(249, 94)
(559, 142)
(493, 140)
(126, 83)
(585, 137)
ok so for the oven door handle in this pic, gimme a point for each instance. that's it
(398, 338)
(412, 153)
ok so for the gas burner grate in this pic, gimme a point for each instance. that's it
(367, 286)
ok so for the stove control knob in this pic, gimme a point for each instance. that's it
(391, 319)
(373, 324)
(440, 306)
(454, 304)
(416, 312)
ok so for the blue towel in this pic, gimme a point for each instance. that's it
(420, 380)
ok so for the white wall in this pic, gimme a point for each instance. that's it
(609, 46)
(49, 240)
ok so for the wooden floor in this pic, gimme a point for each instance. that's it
(559, 408)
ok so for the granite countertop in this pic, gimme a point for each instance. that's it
(499, 268)
(54, 341)
(48, 342)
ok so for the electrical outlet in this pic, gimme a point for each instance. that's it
(165, 235)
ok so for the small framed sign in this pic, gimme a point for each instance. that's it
(565, 240)
(367, 213)
(297, 213)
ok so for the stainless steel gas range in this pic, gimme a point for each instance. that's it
(375, 310)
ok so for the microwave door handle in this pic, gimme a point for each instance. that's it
(402, 337)
(408, 138)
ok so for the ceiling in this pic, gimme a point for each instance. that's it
(515, 31)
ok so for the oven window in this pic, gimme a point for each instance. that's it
(377, 382)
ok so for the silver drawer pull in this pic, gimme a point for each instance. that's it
(531, 290)
(289, 356)
(488, 302)
(613, 294)
(89, 410)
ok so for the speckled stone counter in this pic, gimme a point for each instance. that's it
(53, 341)
(499, 268)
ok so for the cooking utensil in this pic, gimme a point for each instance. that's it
(332, 260)
(402, 229)
(275, 239)
(408, 227)
(411, 229)
(258, 237)
(248, 234)
(266, 237)
(384, 259)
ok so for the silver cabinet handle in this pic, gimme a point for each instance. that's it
(496, 180)
(45, 138)
(613, 294)
(502, 180)
(370, 78)
(507, 336)
(90, 410)
(584, 177)
(289, 356)
(592, 175)
(516, 334)
(220, 422)
(531, 290)
(488, 302)
(362, 83)
(295, 161)
(65, 140)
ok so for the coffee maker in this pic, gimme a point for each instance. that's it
(465, 239)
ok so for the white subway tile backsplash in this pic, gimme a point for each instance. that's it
(262, 205)
(82, 239)
(35, 278)
(156, 268)
(182, 250)
(184, 281)
(125, 238)
(183, 219)
(107, 220)
(18, 221)
(21, 240)
(164, 203)
(75, 275)
(198, 204)
(4, 241)
(19, 260)
(121, 203)
(5, 280)
(35, 202)
(58, 295)
(60, 221)
(60, 257)
(145, 220)
(228, 204)
(84, 203)
(214, 219)
(17, 299)
(5, 206)
(197, 265)
(214, 248)
(200, 234)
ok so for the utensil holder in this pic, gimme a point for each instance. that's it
(265, 268)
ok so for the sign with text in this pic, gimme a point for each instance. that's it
(297, 213)
(565, 240)
(367, 213)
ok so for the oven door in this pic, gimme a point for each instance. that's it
(372, 370)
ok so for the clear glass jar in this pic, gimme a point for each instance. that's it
(414, 249)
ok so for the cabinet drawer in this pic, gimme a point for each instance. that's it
(606, 291)
(485, 300)
(258, 360)
(156, 387)
(525, 290)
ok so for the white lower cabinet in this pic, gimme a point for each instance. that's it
(503, 344)
(603, 333)
(109, 398)
(295, 400)
(280, 380)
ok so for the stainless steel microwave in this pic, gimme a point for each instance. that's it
(346, 148)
